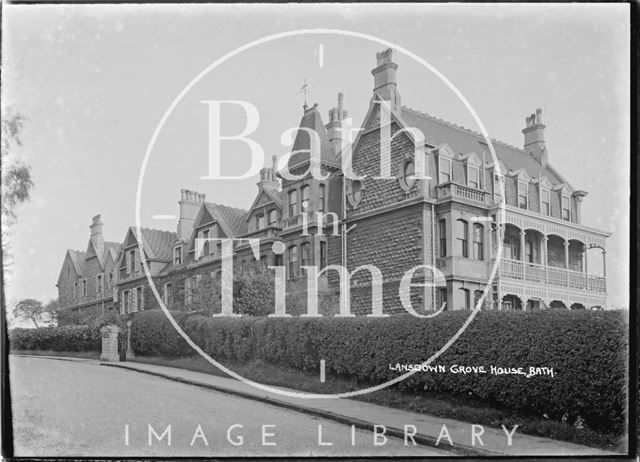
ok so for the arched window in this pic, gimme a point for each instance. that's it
(407, 174)
(304, 205)
(462, 233)
(293, 203)
(478, 241)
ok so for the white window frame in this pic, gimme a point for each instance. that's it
(523, 185)
(562, 209)
(272, 213)
(178, 247)
(440, 169)
(477, 170)
(546, 191)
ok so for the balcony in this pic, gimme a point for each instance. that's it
(448, 191)
(547, 275)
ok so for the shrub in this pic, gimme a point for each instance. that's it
(586, 349)
(68, 338)
(153, 335)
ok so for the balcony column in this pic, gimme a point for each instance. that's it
(544, 258)
(566, 254)
(584, 259)
(604, 263)
(522, 245)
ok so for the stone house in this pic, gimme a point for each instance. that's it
(86, 281)
(448, 225)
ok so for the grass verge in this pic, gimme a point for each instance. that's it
(66, 354)
(446, 406)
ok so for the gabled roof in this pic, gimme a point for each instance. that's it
(463, 141)
(157, 244)
(274, 196)
(77, 258)
(313, 121)
(113, 248)
(231, 219)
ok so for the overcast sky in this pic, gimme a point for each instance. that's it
(95, 80)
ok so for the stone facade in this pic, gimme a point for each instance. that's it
(451, 225)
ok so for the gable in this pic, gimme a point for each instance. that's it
(204, 217)
(264, 198)
(69, 269)
(130, 239)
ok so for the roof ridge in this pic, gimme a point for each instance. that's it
(465, 129)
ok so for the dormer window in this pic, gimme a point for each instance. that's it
(523, 194)
(131, 261)
(205, 245)
(273, 217)
(177, 255)
(545, 200)
(444, 170)
(293, 203)
(260, 221)
(473, 176)
(304, 204)
(566, 210)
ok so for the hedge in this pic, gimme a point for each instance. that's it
(586, 349)
(68, 338)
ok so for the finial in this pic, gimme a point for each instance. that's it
(305, 89)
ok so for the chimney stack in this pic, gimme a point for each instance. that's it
(384, 79)
(268, 179)
(334, 127)
(96, 234)
(534, 142)
(190, 203)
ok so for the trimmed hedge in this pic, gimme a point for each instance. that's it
(586, 349)
(68, 338)
(153, 335)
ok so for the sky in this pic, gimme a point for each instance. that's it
(94, 81)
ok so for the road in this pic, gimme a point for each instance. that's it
(79, 408)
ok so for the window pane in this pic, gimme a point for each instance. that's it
(293, 203)
(445, 170)
(305, 199)
(474, 177)
(321, 198)
(462, 232)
